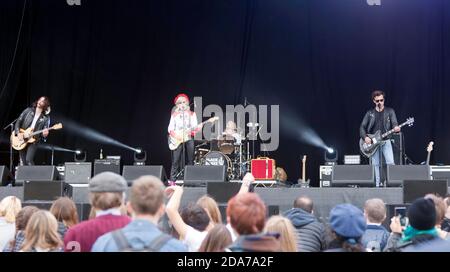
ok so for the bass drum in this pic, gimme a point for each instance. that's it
(218, 159)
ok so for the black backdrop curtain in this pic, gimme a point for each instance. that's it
(115, 66)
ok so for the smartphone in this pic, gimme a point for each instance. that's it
(400, 212)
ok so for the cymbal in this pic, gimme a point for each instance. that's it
(252, 124)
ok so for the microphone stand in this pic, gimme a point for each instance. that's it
(11, 159)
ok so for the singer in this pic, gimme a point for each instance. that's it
(182, 127)
(382, 119)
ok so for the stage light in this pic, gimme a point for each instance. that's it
(140, 156)
(331, 156)
(79, 156)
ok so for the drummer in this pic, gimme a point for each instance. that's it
(231, 130)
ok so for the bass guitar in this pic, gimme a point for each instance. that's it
(377, 139)
(26, 136)
(182, 136)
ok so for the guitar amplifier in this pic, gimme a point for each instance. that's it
(263, 168)
(108, 165)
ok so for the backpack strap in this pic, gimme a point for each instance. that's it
(120, 239)
(159, 242)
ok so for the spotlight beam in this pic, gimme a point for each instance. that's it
(91, 134)
(299, 130)
(55, 148)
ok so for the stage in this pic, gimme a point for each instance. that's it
(278, 199)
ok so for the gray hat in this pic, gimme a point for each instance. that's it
(107, 182)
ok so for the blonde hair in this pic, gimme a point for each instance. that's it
(42, 232)
(284, 227)
(10, 206)
(211, 208)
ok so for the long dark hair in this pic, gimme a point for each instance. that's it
(46, 103)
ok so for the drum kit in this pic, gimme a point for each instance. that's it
(230, 149)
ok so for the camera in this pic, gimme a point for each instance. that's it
(400, 212)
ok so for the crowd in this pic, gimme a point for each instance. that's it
(151, 219)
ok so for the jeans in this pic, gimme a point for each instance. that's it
(386, 148)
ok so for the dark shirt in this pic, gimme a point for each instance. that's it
(379, 119)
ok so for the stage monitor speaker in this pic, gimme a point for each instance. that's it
(78, 172)
(352, 175)
(108, 165)
(45, 190)
(36, 173)
(270, 211)
(222, 191)
(396, 174)
(413, 189)
(5, 175)
(202, 174)
(132, 172)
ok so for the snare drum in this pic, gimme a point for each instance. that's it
(218, 158)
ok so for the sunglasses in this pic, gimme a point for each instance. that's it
(379, 100)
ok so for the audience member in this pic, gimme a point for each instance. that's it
(41, 233)
(282, 225)
(146, 206)
(107, 193)
(310, 232)
(9, 208)
(376, 236)
(421, 228)
(192, 225)
(217, 239)
(246, 214)
(21, 223)
(66, 214)
(211, 207)
(348, 225)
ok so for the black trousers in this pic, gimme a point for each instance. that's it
(178, 162)
(27, 154)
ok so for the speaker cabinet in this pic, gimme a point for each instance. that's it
(5, 175)
(78, 172)
(45, 190)
(398, 148)
(353, 175)
(107, 165)
(413, 189)
(396, 174)
(202, 174)
(132, 172)
(222, 191)
(36, 173)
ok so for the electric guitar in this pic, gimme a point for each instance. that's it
(182, 136)
(303, 179)
(369, 149)
(429, 149)
(28, 136)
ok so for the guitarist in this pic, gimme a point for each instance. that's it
(182, 120)
(382, 119)
(37, 117)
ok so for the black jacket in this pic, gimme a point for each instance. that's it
(310, 232)
(367, 124)
(26, 119)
